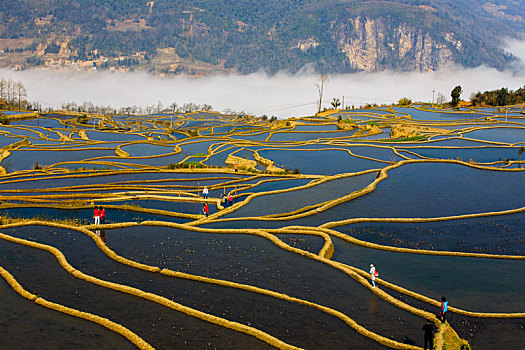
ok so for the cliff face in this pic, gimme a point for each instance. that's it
(373, 45)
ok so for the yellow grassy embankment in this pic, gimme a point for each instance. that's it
(231, 161)
(341, 125)
(82, 134)
(327, 112)
(6, 153)
(405, 131)
(120, 152)
(269, 164)
(368, 130)
(24, 142)
(282, 123)
(62, 136)
(3, 156)
(27, 115)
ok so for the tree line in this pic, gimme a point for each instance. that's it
(501, 97)
(88, 107)
(13, 94)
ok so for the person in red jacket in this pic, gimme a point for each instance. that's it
(96, 216)
(205, 209)
(102, 213)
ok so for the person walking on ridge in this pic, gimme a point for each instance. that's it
(205, 192)
(230, 199)
(205, 210)
(444, 309)
(429, 329)
(373, 275)
(96, 215)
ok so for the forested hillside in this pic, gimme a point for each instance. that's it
(501, 97)
(197, 37)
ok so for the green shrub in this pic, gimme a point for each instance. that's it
(406, 139)
(37, 166)
(186, 165)
(405, 102)
(83, 120)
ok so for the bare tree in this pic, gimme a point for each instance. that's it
(190, 107)
(3, 90)
(71, 106)
(173, 107)
(320, 89)
(22, 93)
(159, 107)
(10, 91)
(440, 98)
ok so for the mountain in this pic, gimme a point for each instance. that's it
(203, 36)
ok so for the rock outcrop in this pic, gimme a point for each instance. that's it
(373, 44)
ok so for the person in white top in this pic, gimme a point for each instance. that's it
(373, 275)
(96, 215)
(205, 192)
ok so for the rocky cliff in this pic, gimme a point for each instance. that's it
(372, 45)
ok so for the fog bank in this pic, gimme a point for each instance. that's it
(283, 95)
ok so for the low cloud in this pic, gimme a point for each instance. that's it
(283, 95)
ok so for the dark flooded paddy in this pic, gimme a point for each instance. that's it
(457, 278)
(48, 328)
(164, 328)
(488, 235)
(290, 201)
(327, 162)
(211, 299)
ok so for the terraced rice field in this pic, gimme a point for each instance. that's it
(434, 199)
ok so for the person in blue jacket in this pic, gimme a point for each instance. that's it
(444, 309)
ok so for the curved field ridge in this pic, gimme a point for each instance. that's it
(132, 337)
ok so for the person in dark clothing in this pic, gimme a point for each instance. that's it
(429, 329)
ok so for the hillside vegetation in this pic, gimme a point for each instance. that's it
(199, 37)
